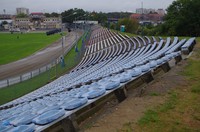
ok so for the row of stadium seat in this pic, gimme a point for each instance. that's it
(101, 72)
(53, 85)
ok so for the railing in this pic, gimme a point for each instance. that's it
(54, 63)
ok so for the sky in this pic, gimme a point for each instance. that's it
(88, 5)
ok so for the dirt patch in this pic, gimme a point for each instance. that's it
(113, 118)
(168, 81)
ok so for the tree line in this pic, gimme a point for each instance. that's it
(182, 19)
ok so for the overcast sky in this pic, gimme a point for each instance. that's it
(88, 5)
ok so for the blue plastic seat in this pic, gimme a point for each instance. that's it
(49, 117)
(74, 103)
(6, 122)
(159, 62)
(109, 85)
(55, 107)
(145, 68)
(5, 128)
(153, 64)
(23, 119)
(125, 78)
(165, 58)
(122, 77)
(135, 72)
(91, 94)
(23, 128)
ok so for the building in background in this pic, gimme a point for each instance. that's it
(5, 21)
(37, 20)
(32, 21)
(161, 12)
(21, 23)
(150, 11)
(149, 16)
(22, 11)
(144, 11)
(5, 16)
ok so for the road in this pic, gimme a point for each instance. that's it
(39, 59)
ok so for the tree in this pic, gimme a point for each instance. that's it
(47, 15)
(183, 18)
(4, 23)
(66, 16)
(113, 25)
(21, 15)
(72, 14)
(118, 15)
(100, 17)
(131, 25)
(53, 14)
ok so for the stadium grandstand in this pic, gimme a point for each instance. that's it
(110, 62)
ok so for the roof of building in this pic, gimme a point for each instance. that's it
(135, 15)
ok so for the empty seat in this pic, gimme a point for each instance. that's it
(23, 128)
(48, 117)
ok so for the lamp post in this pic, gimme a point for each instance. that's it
(142, 19)
(78, 18)
(62, 60)
(75, 28)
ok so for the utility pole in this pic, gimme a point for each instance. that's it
(62, 59)
(142, 19)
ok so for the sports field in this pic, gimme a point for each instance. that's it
(15, 91)
(17, 46)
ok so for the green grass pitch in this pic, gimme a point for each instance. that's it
(16, 46)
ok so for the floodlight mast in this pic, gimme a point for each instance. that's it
(62, 57)
(142, 19)
(75, 28)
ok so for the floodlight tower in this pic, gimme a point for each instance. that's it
(142, 18)
(62, 57)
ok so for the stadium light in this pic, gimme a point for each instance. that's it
(62, 59)
(76, 18)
